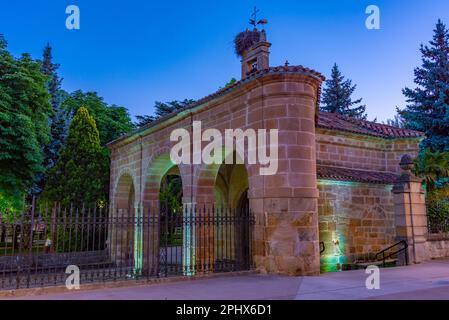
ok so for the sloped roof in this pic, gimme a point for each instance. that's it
(345, 174)
(338, 122)
(225, 90)
(325, 120)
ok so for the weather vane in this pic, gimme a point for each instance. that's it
(254, 21)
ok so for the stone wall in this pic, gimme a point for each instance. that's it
(437, 246)
(355, 220)
(284, 204)
(363, 152)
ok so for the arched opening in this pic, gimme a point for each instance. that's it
(164, 237)
(233, 238)
(122, 236)
(171, 226)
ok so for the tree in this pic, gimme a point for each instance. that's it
(397, 121)
(337, 97)
(24, 113)
(229, 83)
(163, 109)
(58, 120)
(112, 121)
(81, 172)
(144, 120)
(432, 166)
(428, 103)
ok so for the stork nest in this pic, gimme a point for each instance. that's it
(245, 40)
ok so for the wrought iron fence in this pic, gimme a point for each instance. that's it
(37, 245)
(438, 216)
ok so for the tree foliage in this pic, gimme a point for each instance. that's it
(428, 103)
(337, 96)
(162, 109)
(433, 166)
(397, 121)
(24, 113)
(112, 121)
(81, 172)
(59, 119)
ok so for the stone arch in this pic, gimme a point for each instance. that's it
(124, 210)
(158, 165)
(125, 193)
(205, 179)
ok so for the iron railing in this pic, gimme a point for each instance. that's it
(438, 216)
(38, 244)
(389, 252)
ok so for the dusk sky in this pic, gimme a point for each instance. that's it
(136, 52)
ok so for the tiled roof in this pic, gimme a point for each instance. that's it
(223, 91)
(325, 120)
(345, 174)
(342, 123)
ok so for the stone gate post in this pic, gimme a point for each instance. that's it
(410, 212)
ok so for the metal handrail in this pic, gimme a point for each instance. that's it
(384, 258)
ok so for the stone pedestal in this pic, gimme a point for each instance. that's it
(410, 213)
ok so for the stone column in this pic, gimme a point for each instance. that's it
(286, 238)
(410, 212)
(189, 240)
(138, 239)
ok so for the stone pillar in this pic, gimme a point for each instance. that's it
(410, 212)
(138, 239)
(286, 237)
(189, 240)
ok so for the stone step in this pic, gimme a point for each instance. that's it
(363, 265)
(377, 263)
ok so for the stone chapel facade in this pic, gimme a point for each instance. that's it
(335, 179)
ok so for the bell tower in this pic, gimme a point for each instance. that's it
(257, 57)
(252, 47)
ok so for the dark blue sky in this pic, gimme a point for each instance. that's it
(137, 51)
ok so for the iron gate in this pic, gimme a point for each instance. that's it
(37, 245)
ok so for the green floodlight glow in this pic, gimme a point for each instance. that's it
(348, 184)
(138, 241)
(188, 245)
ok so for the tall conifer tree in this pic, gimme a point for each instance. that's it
(428, 103)
(337, 97)
(81, 172)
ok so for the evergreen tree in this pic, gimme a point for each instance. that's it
(337, 96)
(144, 120)
(162, 109)
(24, 112)
(397, 121)
(428, 104)
(81, 171)
(58, 119)
(112, 121)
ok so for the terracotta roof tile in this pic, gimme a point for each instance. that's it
(342, 123)
(345, 174)
(325, 120)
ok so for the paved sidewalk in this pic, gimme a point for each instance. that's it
(425, 281)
